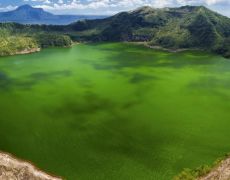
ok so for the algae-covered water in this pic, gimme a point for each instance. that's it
(115, 111)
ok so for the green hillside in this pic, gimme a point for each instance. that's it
(184, 27)
(29, 37)
(12, 44)
(193, 27)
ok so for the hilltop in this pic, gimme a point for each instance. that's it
(183, 27)
(186, 27)
(27, 14)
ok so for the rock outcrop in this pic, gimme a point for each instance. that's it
(221, 172)
(15, 169)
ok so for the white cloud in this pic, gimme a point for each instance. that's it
(204, 2)
(105, 6)
(8, 8)
(60, 1)
(212, 2)
(94, 4)
(39, 1)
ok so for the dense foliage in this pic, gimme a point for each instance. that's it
(173, 28)
(15, 38)
(184, 27)
(53, 40)
(223, 47)
(12, 44)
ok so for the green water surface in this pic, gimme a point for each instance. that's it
(115, 111)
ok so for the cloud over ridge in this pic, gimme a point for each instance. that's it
(109, 6)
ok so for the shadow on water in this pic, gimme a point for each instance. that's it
(144, 131)
(88, 104)
(209, 82)
(8, 83)
(211, 85)
(44, 76)
(139, 77)
(5, 81)
(102, 124)
(136, 56)
(123, 136)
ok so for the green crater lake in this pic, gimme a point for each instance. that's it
(115, 111)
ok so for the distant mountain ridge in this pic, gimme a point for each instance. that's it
(186, 27)
(26, 14)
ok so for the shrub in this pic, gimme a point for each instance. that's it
(53, 40)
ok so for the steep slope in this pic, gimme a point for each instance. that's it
(184, 27)
(173, 28)
(28, 15)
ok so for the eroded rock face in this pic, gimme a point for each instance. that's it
(221, 172)
(14, 169)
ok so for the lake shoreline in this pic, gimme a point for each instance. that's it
(176, 50)
(145, 44)
(35, 50)
(14, 168)
(22, 52)
(96, 97)
(28, 51)
(220, 171)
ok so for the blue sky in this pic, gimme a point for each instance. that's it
(110, 6)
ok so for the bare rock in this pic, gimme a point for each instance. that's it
(221, 172)
(15, 169)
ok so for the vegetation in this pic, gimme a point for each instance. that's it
(223, 48)
(184, 27)
(53, 40)
(15, 38)
(10, 44)
(193, 174)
